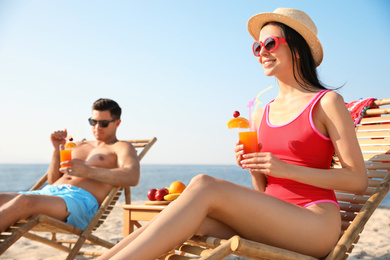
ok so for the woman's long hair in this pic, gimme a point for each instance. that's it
(305, 66)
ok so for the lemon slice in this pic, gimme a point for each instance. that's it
(70, 145)
(238, 122)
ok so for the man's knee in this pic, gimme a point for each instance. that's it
(24, 201)
(6, 197)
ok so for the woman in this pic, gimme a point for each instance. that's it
(292, 204)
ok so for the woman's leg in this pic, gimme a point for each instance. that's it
(251, 214)
(209, 227)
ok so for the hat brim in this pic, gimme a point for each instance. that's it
(256, 22)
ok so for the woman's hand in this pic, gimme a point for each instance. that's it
(239, 150)
(265, 163)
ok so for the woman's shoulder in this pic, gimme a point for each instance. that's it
(332, 99)
(332, 106)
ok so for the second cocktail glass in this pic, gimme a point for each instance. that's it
(248, 137)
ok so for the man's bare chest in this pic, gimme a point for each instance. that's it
(97, 157)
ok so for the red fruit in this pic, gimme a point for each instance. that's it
(161, 193)
(236, 114)
(152, 194)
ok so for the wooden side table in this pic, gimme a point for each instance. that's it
(134, 213)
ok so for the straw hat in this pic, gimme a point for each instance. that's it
(296, 19)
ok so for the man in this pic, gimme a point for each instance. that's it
(74, 192)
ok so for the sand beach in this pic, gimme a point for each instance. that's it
(374, 242)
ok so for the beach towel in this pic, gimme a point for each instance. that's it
(357, 108)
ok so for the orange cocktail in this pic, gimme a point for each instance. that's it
(249, 140)
(247, 137)
(65, 155)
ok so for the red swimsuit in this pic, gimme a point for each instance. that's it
(297, 142)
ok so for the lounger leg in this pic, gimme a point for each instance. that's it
(76, 248)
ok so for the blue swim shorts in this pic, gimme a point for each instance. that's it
(81, 204)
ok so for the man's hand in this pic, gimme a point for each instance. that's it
(125, 173)
(58, 137)
(77, 168)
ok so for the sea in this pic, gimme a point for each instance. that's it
(20, 177)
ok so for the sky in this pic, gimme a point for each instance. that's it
(178, 69)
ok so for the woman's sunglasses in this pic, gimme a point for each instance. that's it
(270, 45)
(102, 123)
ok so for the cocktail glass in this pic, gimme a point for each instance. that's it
(65, 155)
(248, 137)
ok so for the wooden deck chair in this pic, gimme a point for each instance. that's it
(373, 134)
(43, 223)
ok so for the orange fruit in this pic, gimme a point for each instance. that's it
(176, 187)
(70, 145)
(238, 122)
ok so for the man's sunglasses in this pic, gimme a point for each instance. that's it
(270, 45)
(102, 123)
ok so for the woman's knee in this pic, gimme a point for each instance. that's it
(202, 185)
(202, 181)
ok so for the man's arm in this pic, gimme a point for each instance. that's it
(126, 174)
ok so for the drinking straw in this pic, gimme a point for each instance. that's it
(258, 95)
(76, 134)
(251, 103)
